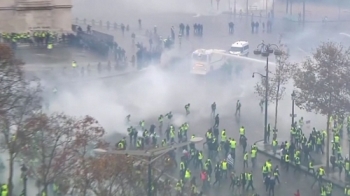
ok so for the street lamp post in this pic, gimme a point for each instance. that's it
(24, 174)
(153, 155)
(349, 148)
(265, 50)
(303, 13)
(149, 173)
(293, 113)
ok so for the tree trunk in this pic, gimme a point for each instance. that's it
(85, 186)
(327, 150)
(276, 107)
(328, 124)
(111, 186)
(9, 182)
(45, 189)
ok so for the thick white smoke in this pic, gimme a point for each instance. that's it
(122, 8)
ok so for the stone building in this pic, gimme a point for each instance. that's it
(19, 16)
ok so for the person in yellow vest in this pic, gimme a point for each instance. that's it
(193, 189)
(49, 46)
(286, 161)
(120, 146)
(224, 168)
(253, 156)
(74, 64)
(233, 145)
(245, 159)
(323, 191)
(187, 175)
(319, 174)
(4, 190)
(178, 187)
(223, 136)
(310, 169)
(347, 190)
(242, 131)
(200, 159)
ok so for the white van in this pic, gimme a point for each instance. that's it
(240, 48)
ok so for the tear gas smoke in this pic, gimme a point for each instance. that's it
(114, 9)
(146, 95)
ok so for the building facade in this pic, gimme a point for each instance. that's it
(20, 16)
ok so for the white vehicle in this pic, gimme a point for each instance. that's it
(240, 48)
(205, 61)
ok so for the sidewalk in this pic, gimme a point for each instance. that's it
(319, 160)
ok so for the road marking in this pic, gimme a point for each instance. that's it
(197, 15)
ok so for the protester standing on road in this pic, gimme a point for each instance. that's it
(217, 120)
(213, 108)
(272, 183)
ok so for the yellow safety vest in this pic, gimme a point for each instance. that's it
(322, 172)
(245, 156)
(200, 156)
(311, 165)
(286, 158)
(223, 136)
(188, 174)
(224, 165)
(233, 144)
(241, 131)
(253, 154)
(4, 190)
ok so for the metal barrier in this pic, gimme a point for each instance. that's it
(81, 67)
(89, 71)
(109, 25)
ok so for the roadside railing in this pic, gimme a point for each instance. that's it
(109, 25)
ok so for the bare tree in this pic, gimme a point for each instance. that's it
(52, 150)
(323, 83)
(18, 100)
(88, 136)
(277, 81)
(111, 174)
(106, 175)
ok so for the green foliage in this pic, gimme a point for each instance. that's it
(322, 81)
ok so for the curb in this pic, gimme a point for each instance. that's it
(303, 168)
